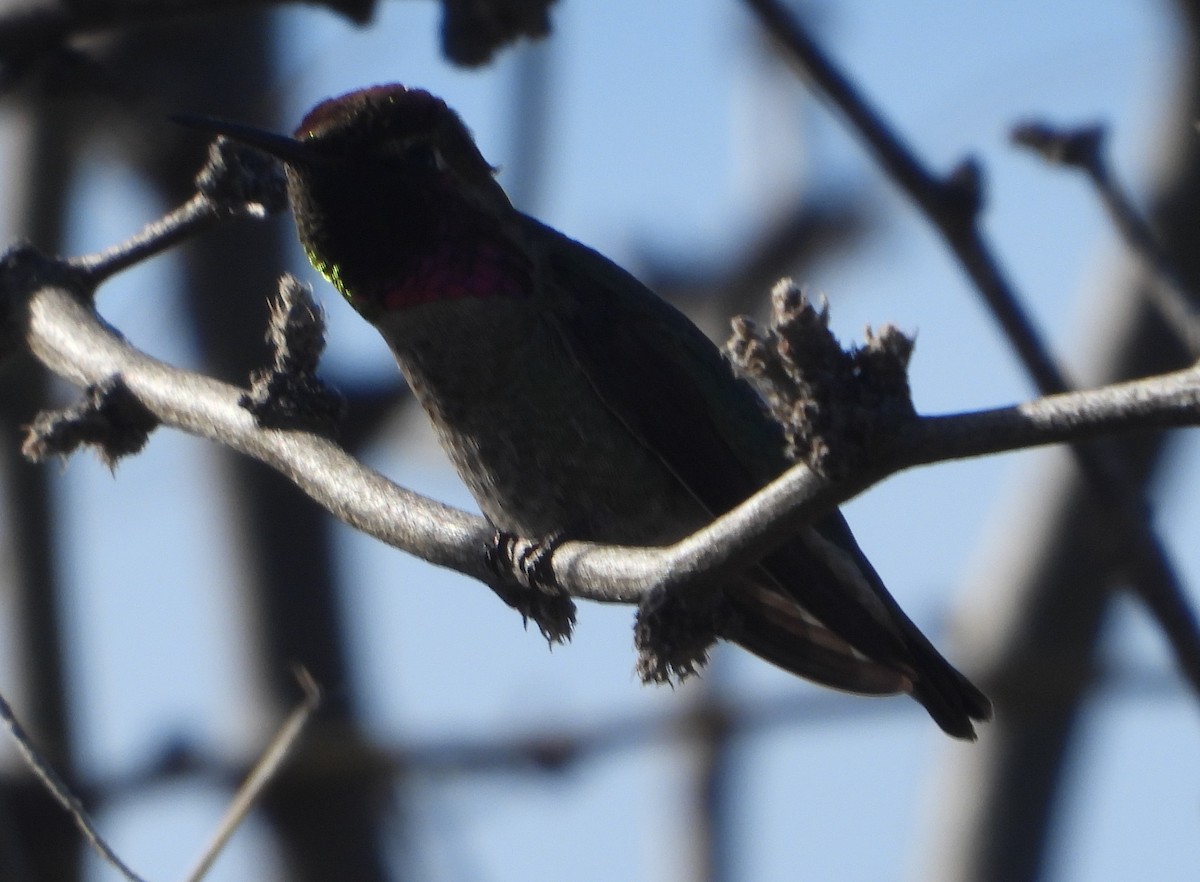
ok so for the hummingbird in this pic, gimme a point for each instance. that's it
(569, 397)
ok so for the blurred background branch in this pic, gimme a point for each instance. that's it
(425, 706)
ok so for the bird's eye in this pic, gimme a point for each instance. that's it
(423, 155)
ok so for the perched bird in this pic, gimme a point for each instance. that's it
(569, 397)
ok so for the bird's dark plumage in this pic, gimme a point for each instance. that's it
(570, 397)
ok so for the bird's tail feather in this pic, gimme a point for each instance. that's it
(762, 623)
(953, 701)
(804, 617)
(773, 628)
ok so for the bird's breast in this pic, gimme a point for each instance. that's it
(526, 430)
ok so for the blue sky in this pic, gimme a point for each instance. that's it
(670, 138)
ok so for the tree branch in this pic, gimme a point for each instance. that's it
(65, 333)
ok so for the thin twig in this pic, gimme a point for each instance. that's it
(1083, 148)
(194, 215)
(263, 772)
(235, 181)
(61, 792)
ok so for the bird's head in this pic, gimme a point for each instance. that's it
(393, 201)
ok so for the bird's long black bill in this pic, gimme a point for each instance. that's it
(282, 147)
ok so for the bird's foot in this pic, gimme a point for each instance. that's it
(526, 582)
(673, 635)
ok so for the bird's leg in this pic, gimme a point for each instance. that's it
(525, 581)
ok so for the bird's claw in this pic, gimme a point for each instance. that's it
(526, 582)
